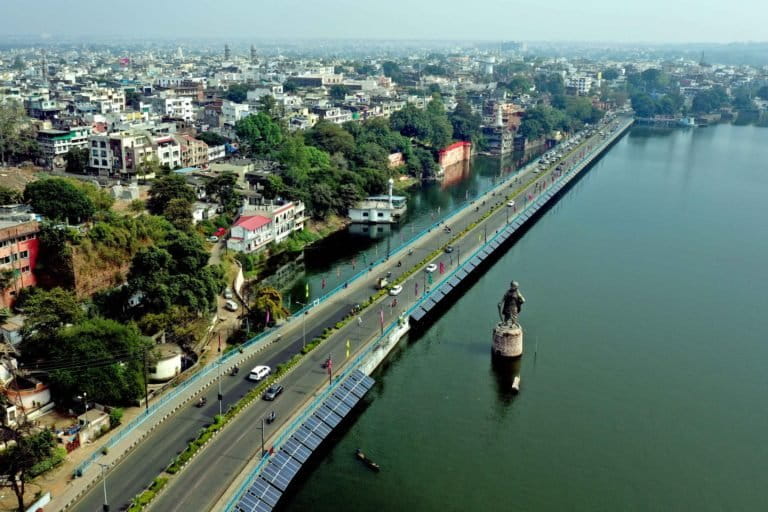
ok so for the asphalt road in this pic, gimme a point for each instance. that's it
(204, 480)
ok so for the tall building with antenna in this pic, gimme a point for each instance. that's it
(227, 52)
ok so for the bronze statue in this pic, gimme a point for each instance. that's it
(509, 308)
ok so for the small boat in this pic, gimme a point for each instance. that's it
(368, 462)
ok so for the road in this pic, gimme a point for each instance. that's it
(199, 486)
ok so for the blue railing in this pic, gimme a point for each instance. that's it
(357, 361)
(129, 427)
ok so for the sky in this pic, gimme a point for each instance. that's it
(663, 21)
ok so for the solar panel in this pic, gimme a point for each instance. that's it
(296, 450)
(417, 315)
(327, 416)
(262, 490)
(306, 437)
(280, 471)
(317, 427)
(346, 396)
(338, 406)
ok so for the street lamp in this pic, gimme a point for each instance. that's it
(303, 325)
(262, 436)
(84, 398)
(104, 468)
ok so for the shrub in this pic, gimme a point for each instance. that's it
(115, 416)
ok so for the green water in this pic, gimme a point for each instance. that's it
(644, 377)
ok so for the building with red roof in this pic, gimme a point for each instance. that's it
(250, 233)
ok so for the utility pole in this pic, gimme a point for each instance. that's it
(221, 397)
(146, 383)
(104, 468)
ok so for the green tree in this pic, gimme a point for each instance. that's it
(465, 123)
(763, 92)
(113, 353)
(59, 199)
(237, 93)
(223, 187)
(260, 134)
(167, 188)
(266, 299)
(338, 92)
(331, 137)
(643, 105)
(519, 84)
(268, 105)
(46, 312)
(10, 196)
(212, 138)
(148, 168)
(12, 115)
(709, 100)
(371, 155)
(610, 74)
(392, 70)
(411, 122)
(178, 211)
(77, 160)
(20, 457)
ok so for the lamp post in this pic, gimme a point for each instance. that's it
(262, 436)
(303, 325)
(104, 468)
(84, 398)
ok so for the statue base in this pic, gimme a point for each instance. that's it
(507, 340)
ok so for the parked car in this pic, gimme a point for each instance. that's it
(272, 392)
(231, 305)
(395, 290)
(448, 249)
(227, 293)
(213, 239)
(259, 372)
(511, 204)
(431, 268)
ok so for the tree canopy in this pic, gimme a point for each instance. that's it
(260, 134)
(19, 459)
(167, 188)
(59, 199)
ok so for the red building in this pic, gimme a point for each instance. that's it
(18, 255)
(455, 153)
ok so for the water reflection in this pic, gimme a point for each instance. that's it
(505, 369)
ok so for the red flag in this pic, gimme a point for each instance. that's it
(329, 366)
(442, 267)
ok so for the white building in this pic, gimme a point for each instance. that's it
(55, 143)
(286, 217)
(250, 233)
(232, 112)
(177, 107)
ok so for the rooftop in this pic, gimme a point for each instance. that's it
(252, 222)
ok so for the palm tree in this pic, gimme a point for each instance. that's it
(267, 299)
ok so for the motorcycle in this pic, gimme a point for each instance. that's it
(271, 417)
(410, 251)
(201, 402)
(234, 371)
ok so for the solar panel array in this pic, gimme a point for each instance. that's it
(266, 490)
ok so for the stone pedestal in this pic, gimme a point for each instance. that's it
(507, 340)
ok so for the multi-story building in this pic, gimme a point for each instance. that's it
(168, 152)
(55, 143)
(18, 251)
(333, 114)
(120, 154)
(194, 153)
(250, 233)
(286, 216)
(232, 112)
(100, 101)
(179, 107)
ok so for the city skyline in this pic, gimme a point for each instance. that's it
(561, 21)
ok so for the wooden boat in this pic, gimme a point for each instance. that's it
(365, 460)
(516, 384)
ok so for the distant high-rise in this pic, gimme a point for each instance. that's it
(179, 53)
(44, 70)
(253, 54)
(227, 52)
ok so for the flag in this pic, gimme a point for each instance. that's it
(306, 290)
(267, 320)
(330, 366)
(381, 318)
(479, 237)
(347, 349)
(416, 289)
(442, 267)
(219, 342)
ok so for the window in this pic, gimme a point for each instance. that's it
(365, 214)
(25, 269)
(94, 144)
(103, 144)
(95, 152)
(104, 163)
(381, 214)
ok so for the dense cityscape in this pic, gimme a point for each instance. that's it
(173, 213)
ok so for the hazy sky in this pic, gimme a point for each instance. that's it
(560, 20)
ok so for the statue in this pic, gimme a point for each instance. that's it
(509, 308)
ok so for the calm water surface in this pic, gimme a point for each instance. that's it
(644, 378)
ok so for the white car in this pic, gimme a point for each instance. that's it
(231, 305)
(259, 373)
(213, 239)
(395, 290)
(511, 204)
(431, 268)
(227, 293)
